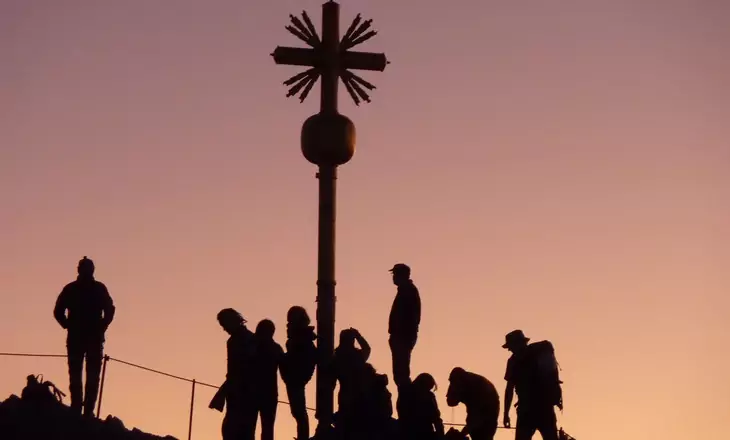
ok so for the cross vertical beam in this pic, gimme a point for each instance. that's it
(330, 56)
(327, 176)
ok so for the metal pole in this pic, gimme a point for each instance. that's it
(101, 386)
(192, 406)
(326, 293)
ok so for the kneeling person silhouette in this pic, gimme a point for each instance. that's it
(481, 400)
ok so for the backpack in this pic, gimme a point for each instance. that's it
(300, 359)
(38, 390)
(546, 372)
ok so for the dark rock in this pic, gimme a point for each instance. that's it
(38, 419)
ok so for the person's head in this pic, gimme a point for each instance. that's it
(457, 375)
(347, 338)
(401, 274)
(298, 316)
(456, 386)
(515, 341)
(85, 268)
(230, 320)
(425, 382)
(266, 329)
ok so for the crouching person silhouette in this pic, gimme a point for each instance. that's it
(239, 422)
(85, 309)
(481, 400)
(298, 365)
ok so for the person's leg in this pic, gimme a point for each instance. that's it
(75, 352)
(486, 433)
(268, 420)
(94, 355)
(548, 425)
(526, 427)
(248, 417)
(298, 405)
(401, 354)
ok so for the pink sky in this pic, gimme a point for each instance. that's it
(568, 157)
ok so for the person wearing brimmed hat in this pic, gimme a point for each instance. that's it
(86, 310)
(535, 409)
(235, 393)
(405, 317)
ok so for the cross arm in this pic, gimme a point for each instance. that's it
(295, 56)
(363, 61)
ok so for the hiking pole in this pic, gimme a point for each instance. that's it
(101, 386)
(192, 406)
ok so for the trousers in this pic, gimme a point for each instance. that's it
(401, 350)
(298, 405)
(541, 418)
(79, 349)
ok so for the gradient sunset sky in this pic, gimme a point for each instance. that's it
(555, 166)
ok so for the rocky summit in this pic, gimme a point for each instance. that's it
(40, 414)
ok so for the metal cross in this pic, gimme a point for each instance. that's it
(330, 57)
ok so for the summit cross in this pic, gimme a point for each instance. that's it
(328, 141)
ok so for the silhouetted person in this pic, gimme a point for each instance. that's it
(405, 317)
(375, 403)
(349, 368)
(533, 372)
(298, 366)
(481, 400)
(86, 310)
(418, 413)
(267, 360)
(239, 422)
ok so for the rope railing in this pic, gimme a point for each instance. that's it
(131, 364)
(194, 382)
(108, 358)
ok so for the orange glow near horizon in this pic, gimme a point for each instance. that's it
(556, 167)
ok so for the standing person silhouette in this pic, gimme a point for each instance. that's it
(298, 366)
(239, 422)
(268, 357)
(405, 317)
(85, 309)
(349, 365)
(538, 392)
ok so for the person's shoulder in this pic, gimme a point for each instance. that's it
(69, 286)
(101, 286)
(411, 289)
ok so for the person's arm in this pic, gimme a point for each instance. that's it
(438, 423)
(218, 401)
(109, 309)
(508, 395)
(414, 312)
(59, 311)
(365, 347)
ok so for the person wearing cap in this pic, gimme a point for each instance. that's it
(535, 412)
(85, 309)
(236, 392)
(405, 317)
(481, 399)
